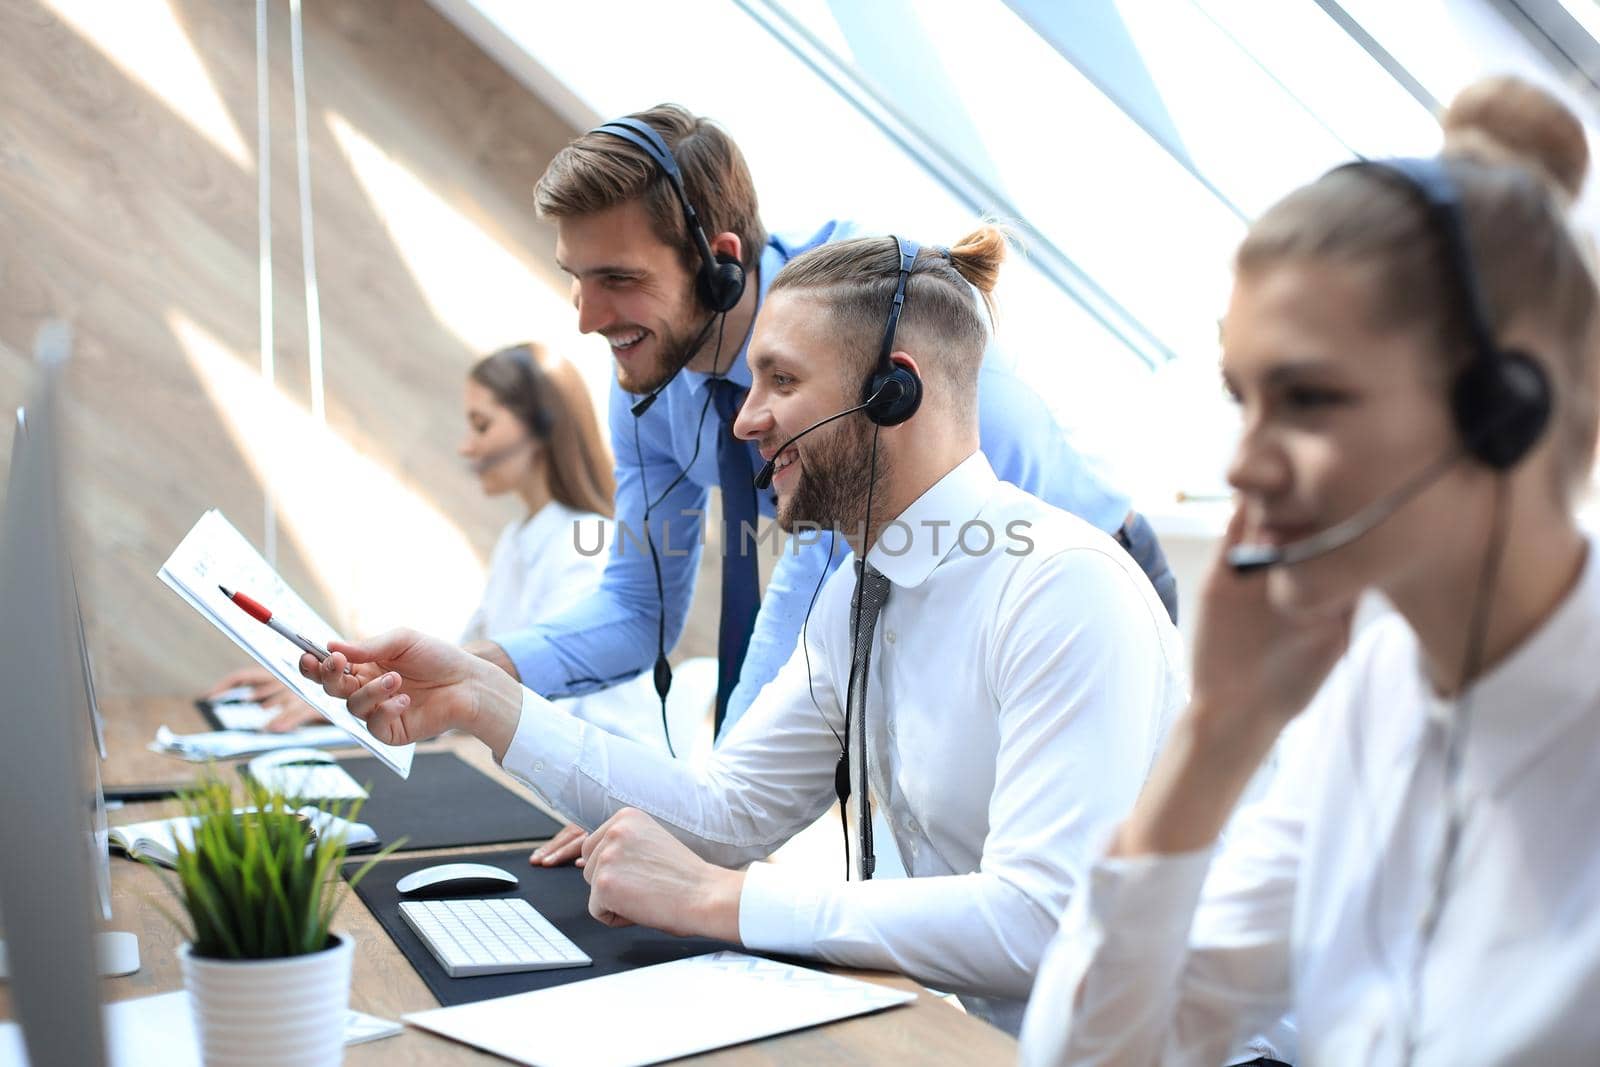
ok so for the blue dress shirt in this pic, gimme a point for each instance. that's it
(612, 636)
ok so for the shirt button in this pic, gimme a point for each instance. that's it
(889, 636)
(538, 766)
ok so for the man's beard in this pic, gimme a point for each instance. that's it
(837, 472)
(674, 352)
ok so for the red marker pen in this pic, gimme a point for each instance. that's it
(258, 611)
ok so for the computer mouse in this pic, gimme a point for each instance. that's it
(456, 880)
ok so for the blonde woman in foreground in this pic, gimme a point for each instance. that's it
(1419, 884)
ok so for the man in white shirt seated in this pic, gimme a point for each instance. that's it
(1019, 674)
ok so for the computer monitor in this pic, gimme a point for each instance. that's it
(114, 956)
(99, 841)
(99, 831)
(47, 879)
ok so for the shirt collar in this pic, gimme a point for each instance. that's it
(1531, 699)
(929, 527)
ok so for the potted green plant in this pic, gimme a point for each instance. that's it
(268, 980)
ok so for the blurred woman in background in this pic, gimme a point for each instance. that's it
(532, 432)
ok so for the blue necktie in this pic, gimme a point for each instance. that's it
(741, 588)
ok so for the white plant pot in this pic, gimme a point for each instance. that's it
(287, 1012)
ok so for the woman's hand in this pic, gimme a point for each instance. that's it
(1255, 666)
(272, 695)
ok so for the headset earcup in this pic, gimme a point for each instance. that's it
(722, 285)
(1502, 406)
(896, 406)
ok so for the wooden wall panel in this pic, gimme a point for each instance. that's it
(116, 213)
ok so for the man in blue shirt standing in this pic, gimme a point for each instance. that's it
(658, 226)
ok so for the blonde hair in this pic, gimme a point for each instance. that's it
(1504, 119)
(856, 281)
(546, 393)
(597, 171)
(1531, 267)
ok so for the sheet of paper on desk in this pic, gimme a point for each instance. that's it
(249, 716)
(672, 1009)
(158, 1031)
(214, 553)
(229, 744)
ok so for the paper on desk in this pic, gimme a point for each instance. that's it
(214, 553)
(243, 716)
(159, 1032)
(673, 1009)
(228, 744)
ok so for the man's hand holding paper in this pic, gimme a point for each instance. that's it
(407, 687)
(214, 553)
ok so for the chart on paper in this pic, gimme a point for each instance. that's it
(213, 553)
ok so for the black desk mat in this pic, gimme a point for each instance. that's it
(208, 712)
(446, 803)
(559, 893)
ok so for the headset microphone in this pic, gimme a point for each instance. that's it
(494, 459)
(642, 405)
(718, 286)
(764, 476)
(1248, 559)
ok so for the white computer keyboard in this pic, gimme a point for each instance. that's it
(500, 935)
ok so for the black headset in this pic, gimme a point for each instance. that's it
(893, 393)
(1501, 401)
(891, 396)
(538, 415)
(718, 284)
(720, 281)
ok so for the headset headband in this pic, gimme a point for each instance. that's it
(1432, 184)
(908, 260)
(522, 356)
(643, 137)
(1502, 400)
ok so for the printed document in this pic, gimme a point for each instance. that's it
(213, 554)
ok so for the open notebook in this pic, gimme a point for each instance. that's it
(214, 553)
(158, 839)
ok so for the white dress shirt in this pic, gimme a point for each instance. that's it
(1016, 703)
(537, 572)
(1314, 901)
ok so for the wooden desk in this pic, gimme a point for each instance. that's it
(926, 1031)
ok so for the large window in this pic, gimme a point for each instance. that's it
(1131, 141)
